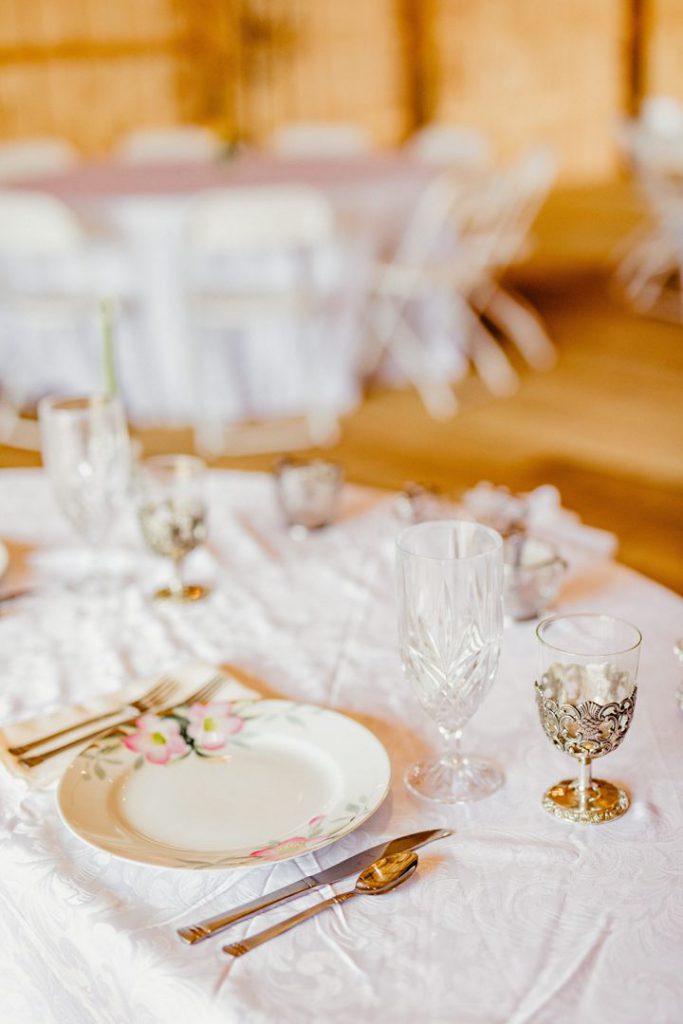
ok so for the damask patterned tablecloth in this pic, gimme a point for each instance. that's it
(517, 918)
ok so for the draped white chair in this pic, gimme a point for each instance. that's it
(324, 139)
(39, 237)
(451, 145)
(462, 237)
(256, 274)
(23, 159)
(52, 275)
(180, 144)
(650, 267)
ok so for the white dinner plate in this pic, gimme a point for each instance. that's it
(249, 783)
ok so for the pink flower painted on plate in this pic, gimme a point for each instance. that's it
(285, 848)
(159, 739)
(211, 724)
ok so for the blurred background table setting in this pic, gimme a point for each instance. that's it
(340, 534)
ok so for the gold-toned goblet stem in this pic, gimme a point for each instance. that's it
(178, 591)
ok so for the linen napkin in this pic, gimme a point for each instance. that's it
(189, 676)
(542, 512)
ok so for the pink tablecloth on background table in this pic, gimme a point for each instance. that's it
(98, 179)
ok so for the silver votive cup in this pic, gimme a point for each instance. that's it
(308, 493)
(533, 573)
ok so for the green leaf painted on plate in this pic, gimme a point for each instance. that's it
(107, 749)
(138, 762)
(99, 771)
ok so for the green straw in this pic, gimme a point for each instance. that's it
(108, 360)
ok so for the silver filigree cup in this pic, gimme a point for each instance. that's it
(172, 515)
(450, 614)
(586, 695)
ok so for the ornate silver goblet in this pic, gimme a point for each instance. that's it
(172, 514)
(586, 696)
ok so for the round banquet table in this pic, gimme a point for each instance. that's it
(143, 209)
(516, 918)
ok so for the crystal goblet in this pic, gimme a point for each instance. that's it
(172, 514)
(450, 585)
(586, 696)
(86, 453)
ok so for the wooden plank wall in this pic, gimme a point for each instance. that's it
(557, 70)
(665, 47)
(527, 71)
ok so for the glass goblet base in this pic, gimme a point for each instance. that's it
(601, 801)
(188, 592)
(453, 780)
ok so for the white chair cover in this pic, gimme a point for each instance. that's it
(326, 139)
(182, 144)
(462, 236)
(35, 158)
(449, 145)
(36, 224)
(49, 316)
(650, 271)
(256, 266)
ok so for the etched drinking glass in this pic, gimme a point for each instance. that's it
(586, 695)
(86, 453)
(450, 614)
(172, 514)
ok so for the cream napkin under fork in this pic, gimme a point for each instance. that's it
(189, 677)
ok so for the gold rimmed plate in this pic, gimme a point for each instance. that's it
(226, 785)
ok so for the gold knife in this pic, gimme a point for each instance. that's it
(351, 866)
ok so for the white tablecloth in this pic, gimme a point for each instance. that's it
(517, 918)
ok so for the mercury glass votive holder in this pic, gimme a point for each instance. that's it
(533, 574)
(308, 493)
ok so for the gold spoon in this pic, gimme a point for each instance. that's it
(381, 876)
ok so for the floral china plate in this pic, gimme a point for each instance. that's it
(225, 784)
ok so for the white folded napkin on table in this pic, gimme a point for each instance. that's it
(189, 677)
(543, 515)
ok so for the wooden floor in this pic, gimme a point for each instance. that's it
(605, 425)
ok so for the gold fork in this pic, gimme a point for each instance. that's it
(161, 692)
(204, 693)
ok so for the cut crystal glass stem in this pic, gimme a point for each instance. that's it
(452, 746)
